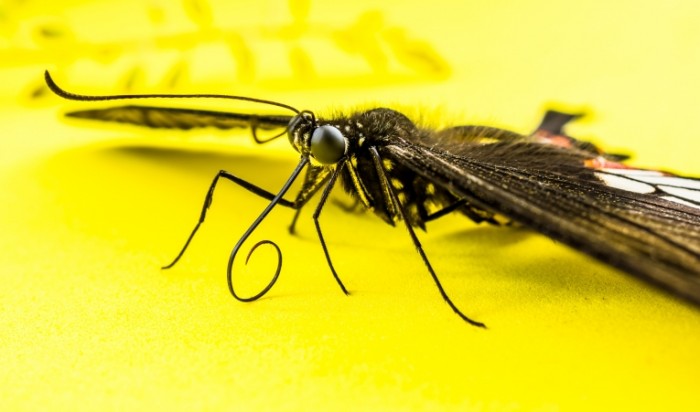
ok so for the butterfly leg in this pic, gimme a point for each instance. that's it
(354, 207)
(314, 180)
(446, 210)
(462, 205)
(385, 182)
(317, 214)
(210, 196)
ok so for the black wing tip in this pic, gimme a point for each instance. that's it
(554, 121)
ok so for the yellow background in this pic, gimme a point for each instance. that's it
(88, 321)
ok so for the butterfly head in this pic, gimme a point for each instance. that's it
(323, 143)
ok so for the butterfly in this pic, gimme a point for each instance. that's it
(645, 222)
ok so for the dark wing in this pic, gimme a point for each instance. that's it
(551, 130)
(649, 228)
(554, 121)
(176, 118)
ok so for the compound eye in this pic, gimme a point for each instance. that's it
(327, 144)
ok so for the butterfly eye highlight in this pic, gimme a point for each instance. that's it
(328, 145)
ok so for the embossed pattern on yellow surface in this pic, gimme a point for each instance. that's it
(90, 212)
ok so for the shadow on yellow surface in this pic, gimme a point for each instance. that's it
(94, 318)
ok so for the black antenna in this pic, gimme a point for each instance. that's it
(81, 97)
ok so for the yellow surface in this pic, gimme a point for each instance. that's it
(88, 321)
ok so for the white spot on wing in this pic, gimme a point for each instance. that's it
(681, 201)
(672, 181)
(633, 172)
(688, 194)
(623, 183)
